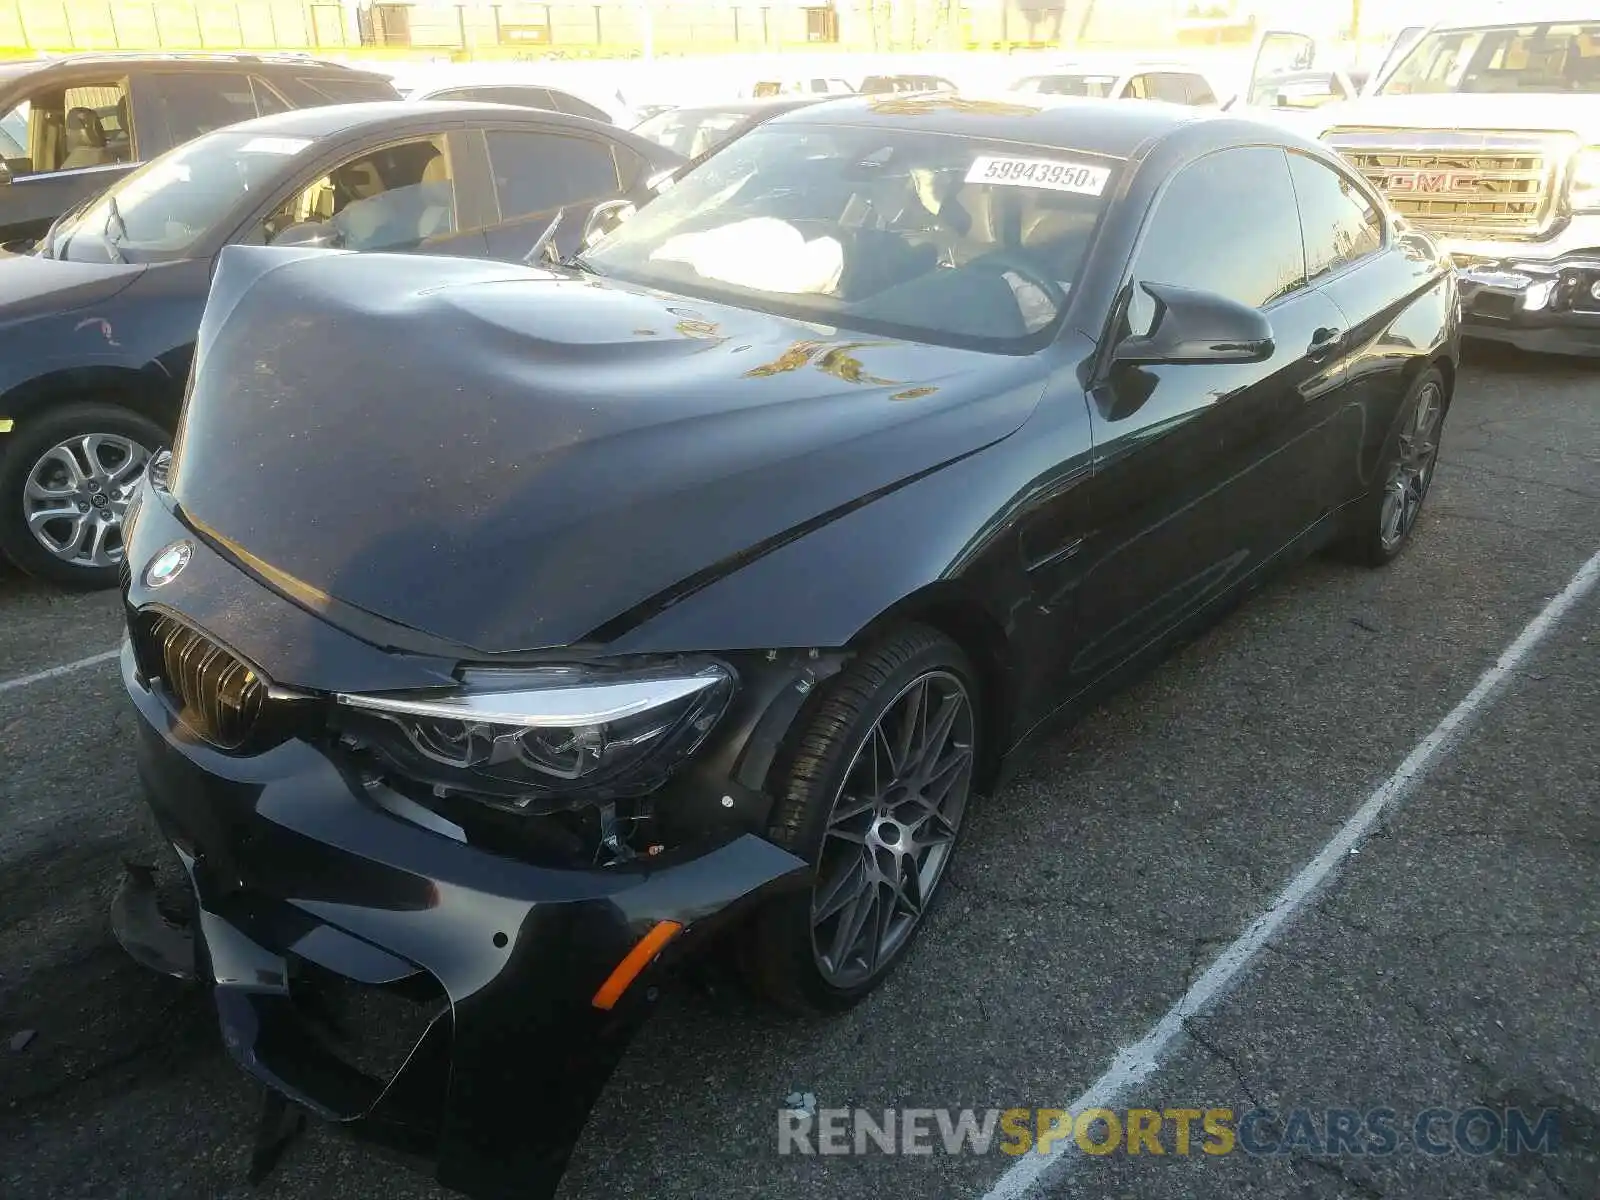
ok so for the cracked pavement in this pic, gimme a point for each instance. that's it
(1451, 964)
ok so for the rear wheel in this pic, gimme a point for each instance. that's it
(65, 482)
(1382, 523)
(873, 795)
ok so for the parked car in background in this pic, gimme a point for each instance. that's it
(479, 677)
(1484, 132)
(696, 130)
(70, 126)
(816, 85)
(525, 95)
(1176, 83)
(877, 85)
(1299, 91)
(97, 327)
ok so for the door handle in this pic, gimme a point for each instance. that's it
(1324, 341)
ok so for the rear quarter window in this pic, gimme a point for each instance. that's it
(338, 90)
(1341, 225)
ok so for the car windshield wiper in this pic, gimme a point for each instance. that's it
(578, 262)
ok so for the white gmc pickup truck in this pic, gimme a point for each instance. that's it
(1486, 134)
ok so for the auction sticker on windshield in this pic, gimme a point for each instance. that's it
(1051, 173)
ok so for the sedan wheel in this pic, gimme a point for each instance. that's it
(871, 790)
(77, 495)
(1413, 471)
(66, 481)
(1379, 526)
(891, 829)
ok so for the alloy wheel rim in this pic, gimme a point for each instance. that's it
(77, 495)
(1413, 471)
(891, 829)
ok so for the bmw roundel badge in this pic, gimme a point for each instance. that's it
(167, 565)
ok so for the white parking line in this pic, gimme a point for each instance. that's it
(22, 681)
(1133, 1064)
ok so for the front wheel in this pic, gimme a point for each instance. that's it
(65, 482)
(872, 794)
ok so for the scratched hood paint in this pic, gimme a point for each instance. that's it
(509, 459)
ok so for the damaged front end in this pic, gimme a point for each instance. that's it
(422, 913)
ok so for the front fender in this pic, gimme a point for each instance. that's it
(824, 588)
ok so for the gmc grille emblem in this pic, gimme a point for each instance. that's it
(1433, 181)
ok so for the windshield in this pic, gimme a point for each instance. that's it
(1298, 89)
(690, 133)
(926, 236)
(163, 209)
(1521, 58)
(1096, 87)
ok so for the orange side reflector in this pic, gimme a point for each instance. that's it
(636, 961)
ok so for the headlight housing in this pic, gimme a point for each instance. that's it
(1583, 189)
(545, 738)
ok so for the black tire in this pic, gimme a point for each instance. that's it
(34, 437)
(779, 958)
(1370, 539)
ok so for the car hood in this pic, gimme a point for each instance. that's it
(507, 459)
(1532, 112)
(32, 286)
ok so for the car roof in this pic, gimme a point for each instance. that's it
(1522, 12)
(436, 84)
(377, 115)
(755, 107)
(196, 61)
(1062, 122)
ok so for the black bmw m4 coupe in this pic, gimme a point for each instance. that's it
(500, 635)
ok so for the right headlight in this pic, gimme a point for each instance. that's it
(536, 739)
(1583, 188)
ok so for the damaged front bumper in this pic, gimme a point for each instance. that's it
(453, 1005)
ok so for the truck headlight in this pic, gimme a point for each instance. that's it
(1583, 191)
(522, 738)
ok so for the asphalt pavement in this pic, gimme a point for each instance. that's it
(1449, 965)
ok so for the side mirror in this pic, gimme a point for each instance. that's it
(1197, 327)
(310, 234)
(604, 217)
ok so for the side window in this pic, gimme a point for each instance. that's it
(522, 97)
(1138, 88)
(68, 129)
(350, 91)
(578, 108)
(539, 172)
(267, 100)
(1341, 224)
(394, 198)
(14, 134)
(1168, 87)
(1199, 90)
(1225, 224)
(631, 168)
(201, 102)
